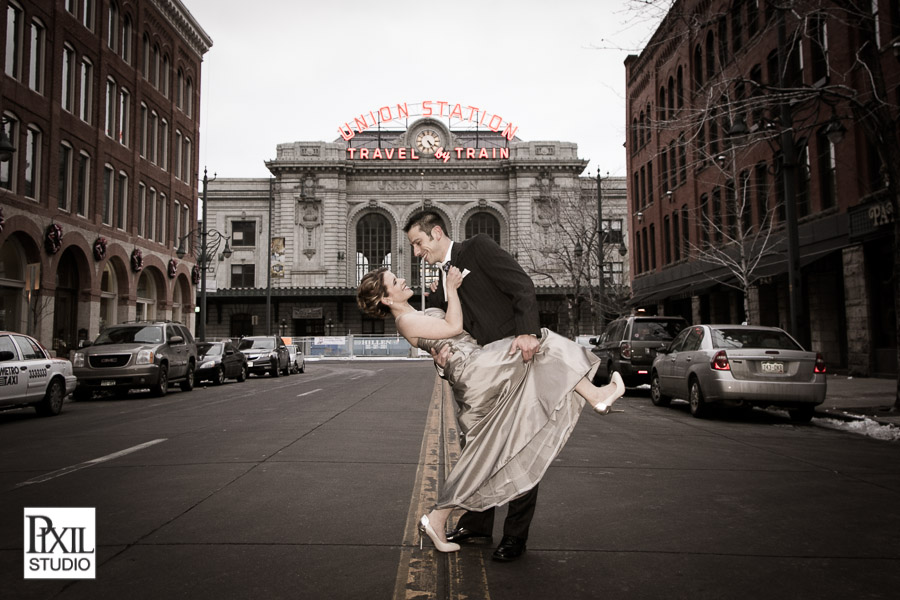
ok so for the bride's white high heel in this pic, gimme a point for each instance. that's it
(426, 528)
(605, 407)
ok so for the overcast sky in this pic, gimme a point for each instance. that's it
(281, 71)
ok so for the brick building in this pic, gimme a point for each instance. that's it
(733, 129)
(101, 101)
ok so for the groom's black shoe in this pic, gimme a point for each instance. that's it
(461, 535)
(510, 549)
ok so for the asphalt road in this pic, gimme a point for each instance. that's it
(308, 486)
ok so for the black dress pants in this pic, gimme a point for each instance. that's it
(518, 518)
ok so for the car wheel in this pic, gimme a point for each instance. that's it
(218, 375)
(699, 407)
(162, 384)
(287, 369)
(656, 396)
(242, 376)
(81, 394)
(302, 368)
(801, 414)
(275, 371)
(188, 383)
(53, 399)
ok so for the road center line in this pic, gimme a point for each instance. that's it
(90, 463)
(310, 392)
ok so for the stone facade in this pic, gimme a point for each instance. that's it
(325, 201)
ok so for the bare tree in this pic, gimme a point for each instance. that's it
(562, 250)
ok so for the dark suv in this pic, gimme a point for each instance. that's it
(143, 354)
(266, 354)
(629, 345)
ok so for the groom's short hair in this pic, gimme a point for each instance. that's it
(426, 221)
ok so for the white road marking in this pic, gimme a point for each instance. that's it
(90, 463)
(310, 392)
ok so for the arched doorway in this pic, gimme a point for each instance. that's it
(13, 316)
(145, 307)
(109, 296)
(65, 305)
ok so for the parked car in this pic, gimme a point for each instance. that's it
(629, 345)
(137, 355)
(29, 376)
(220, 361)
(266, 354)
(739, 365)
(298, 361)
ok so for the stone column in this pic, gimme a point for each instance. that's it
(856, 302)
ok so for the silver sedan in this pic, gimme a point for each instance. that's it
(739, 365)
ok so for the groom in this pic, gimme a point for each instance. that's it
(498, 301)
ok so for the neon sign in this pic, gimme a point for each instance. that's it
(429, 108)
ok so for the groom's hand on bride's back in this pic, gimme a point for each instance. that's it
(440, 358)
(528, 344)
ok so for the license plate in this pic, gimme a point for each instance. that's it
(107, 382)
(772, 367)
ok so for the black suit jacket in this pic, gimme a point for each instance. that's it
(497, 296)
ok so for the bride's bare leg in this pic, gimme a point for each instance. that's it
(438, 519)
(601, 398)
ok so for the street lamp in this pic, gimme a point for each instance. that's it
(601, 238)
(204, 251)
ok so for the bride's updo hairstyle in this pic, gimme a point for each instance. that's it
(370, 292)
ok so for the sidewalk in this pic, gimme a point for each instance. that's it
(857, 397)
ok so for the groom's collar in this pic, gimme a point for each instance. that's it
(449, 252)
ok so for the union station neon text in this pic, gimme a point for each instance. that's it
(436, 108)
(410, 153)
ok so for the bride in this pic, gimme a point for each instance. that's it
(515, 416)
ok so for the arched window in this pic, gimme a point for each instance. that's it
(710, 56)
(671, 105)
(112, 30)
(679, 88)
(145, 305)
(698, 68)
(483, 222)
(373, 244)
(647, 124)
(662, 104)
(177, 304)
(126, 39)
(641, 131)
(189, 97)
(108, 296)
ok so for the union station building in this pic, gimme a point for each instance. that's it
(336, 210)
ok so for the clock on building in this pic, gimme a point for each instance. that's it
(427, 141)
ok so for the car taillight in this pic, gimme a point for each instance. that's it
(720, 362)
(625, 350)
(820, 363)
